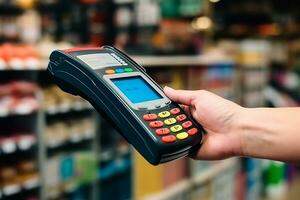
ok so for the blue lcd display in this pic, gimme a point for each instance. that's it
(136, 89)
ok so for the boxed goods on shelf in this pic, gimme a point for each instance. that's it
(67, 172)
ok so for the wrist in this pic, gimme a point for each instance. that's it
(239, 129)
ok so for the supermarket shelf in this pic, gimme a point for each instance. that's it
(74, 139)
(17, 188)
(214, 170)
(123, 1)
(180, 60)
(202, 177)
(10, 146)
(4, 114)
(156, 61)
(65, 108)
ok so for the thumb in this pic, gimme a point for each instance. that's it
(180, 96)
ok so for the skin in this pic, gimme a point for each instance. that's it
(232, 130)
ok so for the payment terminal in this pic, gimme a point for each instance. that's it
(122, 92)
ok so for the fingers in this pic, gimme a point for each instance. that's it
(186, 109)
(180, 96)
(213, 148)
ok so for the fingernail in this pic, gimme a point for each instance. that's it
(167, 88)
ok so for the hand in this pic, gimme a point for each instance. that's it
(218, 117)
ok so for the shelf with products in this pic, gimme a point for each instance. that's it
(18, 98)
(19, 142)
(20, 177)
(58, 102)
(181, 60)
(69, 172)
(185, 185)
(204, 71)
(73, 131)
(177, 174)
(28, 185)
(69, 138)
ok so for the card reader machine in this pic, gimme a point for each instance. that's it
(122, 92)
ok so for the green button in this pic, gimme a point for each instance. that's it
(128, 69)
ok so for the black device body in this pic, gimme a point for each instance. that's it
(76, 72)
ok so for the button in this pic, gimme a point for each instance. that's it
(150, 117)
(175, 111)
(128, 69)
(187, 124)
(182, 135)
(193, 131)
(109, 71)
(181, 117)
(168, 139)
(170, 121)
(119, 70)
(156, 124)
(164, 114)
(162, 131)
(176, 128)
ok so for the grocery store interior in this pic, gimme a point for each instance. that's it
(56, 146)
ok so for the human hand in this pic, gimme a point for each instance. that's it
(218, 117)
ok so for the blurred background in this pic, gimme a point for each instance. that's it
(55, 146)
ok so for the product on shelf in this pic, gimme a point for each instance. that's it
(74, 131)
(9, 176)
(274, 178)
(57, 101)
(19, 57)
(255, 53)
(22, 175)
(217, 78)
(19, 141)
(27, 171)
(18, 97)
(67, 172)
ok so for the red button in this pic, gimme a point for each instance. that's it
(187, 124)
(175, 111)
(168, 139)
(192, 131)
(162, 131)
(150, 117)
(156, 124)
(181, 117)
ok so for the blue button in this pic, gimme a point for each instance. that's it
(119, 70)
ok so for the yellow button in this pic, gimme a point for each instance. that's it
(182, 135)
(170, 121)
(176, 128)
(164, 114)
(109, 71)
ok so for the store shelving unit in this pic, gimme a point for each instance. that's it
(196, 179)
(181, 60)
(118, 166)
(44, 113)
